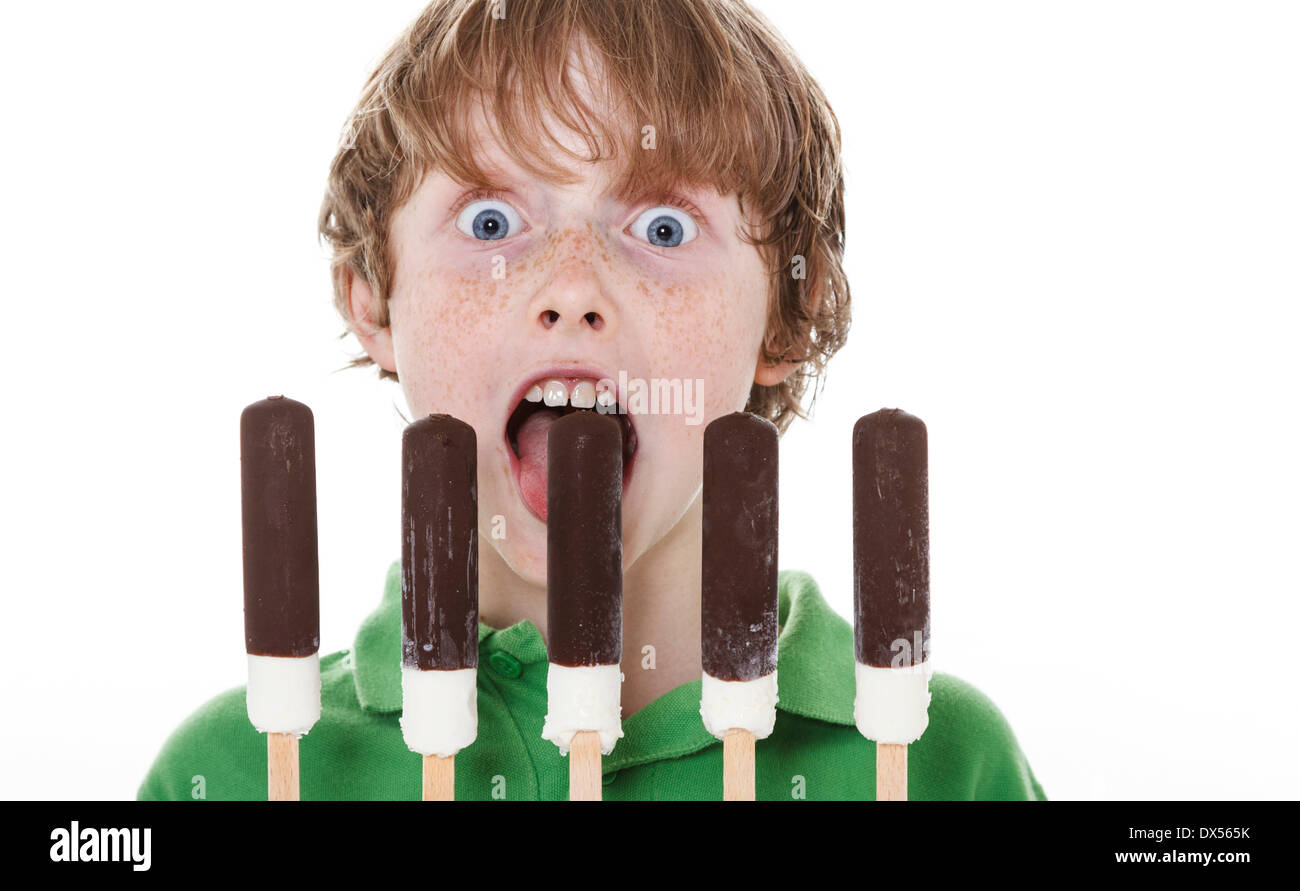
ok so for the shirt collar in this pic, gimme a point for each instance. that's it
(814, 655)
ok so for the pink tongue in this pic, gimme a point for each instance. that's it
(531, 440)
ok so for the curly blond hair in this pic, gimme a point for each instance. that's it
(732, 107)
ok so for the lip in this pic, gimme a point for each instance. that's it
(560, 372)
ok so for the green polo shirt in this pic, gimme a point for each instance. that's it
(815, 752)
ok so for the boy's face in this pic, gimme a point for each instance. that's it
(539, 282)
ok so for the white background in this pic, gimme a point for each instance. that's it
(1072, 243)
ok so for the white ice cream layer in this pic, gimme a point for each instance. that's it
(739, 705)
(284, 693)
(439, 710)
(583, 697)
(892, 704)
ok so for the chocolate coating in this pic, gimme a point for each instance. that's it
(439, 544)
(738, 593)
(584, 540)
(891, 539)
(277, 447)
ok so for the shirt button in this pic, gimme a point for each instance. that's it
(505, 665)
(609, 778)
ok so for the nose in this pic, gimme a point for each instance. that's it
(574, 300)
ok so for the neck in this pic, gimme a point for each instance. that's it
(661, 609)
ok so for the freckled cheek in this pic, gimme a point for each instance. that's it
(713, 334)
(444, 329)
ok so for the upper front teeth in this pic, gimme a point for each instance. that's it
(583, 395)
(554, 393)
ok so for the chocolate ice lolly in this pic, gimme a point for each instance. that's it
(439, 544)
(738, 592)
(439, 585)
(584, 543)
(891, 576)
(281, 569)
(584, 578)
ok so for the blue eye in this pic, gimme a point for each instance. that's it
(665, 227)
(488, 220)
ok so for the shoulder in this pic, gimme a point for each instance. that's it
(968, 751)
(217, 754)
(971, 745)
(962, 707)
(211, 754)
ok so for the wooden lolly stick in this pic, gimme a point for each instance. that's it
(439, 778)
(281, 767)
(738, 765)
(891, 772)
(584, 766)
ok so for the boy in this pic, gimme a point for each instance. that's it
(538, 196)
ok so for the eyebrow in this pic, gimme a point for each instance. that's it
(621, 188)
(630, 183)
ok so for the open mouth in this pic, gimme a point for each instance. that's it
(546, 401)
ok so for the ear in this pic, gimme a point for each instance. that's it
(377, 342)
(768, 374)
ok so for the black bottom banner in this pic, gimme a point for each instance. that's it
(260, 841)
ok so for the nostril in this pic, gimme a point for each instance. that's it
(549, 317)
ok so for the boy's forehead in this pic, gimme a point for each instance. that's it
(557, 156)
(504, 162)
(514, 140)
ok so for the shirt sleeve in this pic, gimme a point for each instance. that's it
(215, 754)
(981, 758)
